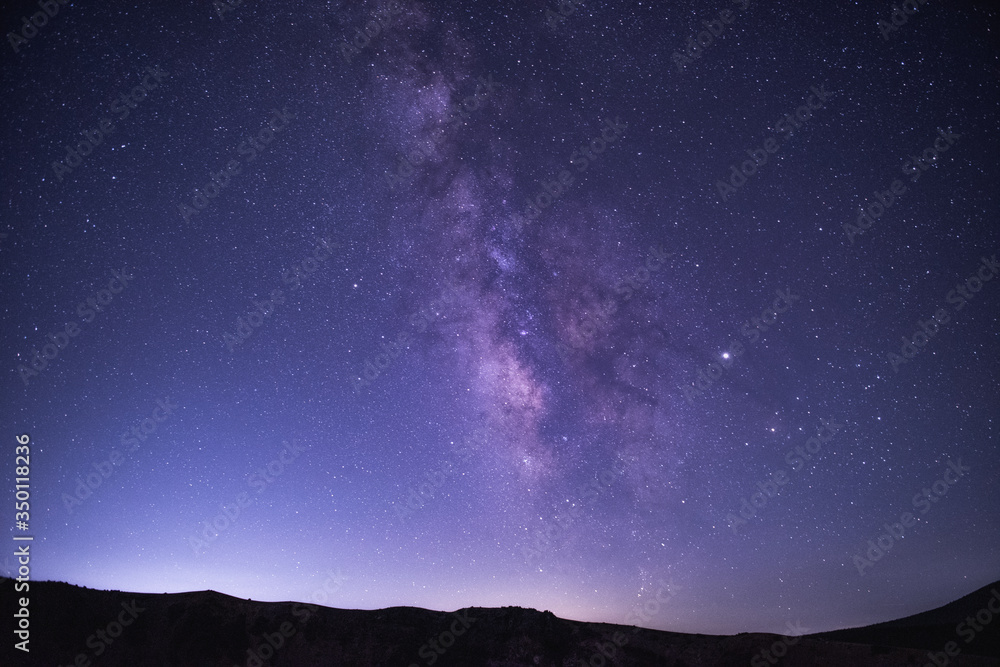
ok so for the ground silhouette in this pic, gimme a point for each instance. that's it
(72, 625)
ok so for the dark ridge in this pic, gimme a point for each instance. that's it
(932, 629)
(210, 629)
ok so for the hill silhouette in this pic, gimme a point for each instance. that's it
(73, 625)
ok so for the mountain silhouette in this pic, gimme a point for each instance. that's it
(73, 625)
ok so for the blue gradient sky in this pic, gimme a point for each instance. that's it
(519, 382)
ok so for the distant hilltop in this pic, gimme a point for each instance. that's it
(80, 627)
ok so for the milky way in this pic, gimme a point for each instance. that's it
(549, 305)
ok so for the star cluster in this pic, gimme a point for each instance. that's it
(544, 304)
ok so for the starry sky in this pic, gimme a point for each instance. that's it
(550, 305)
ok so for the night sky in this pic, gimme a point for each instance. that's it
(497, 305)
